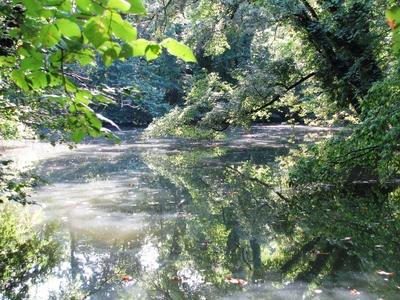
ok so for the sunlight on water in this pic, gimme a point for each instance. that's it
(148, 257)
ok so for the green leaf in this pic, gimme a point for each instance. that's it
(7, 61)
(19, 79)
(84, 57)
(88, 6)
(83, 96)
(33, 7)
(70, 86)
(126, 52)
(68, 28)
(152, 52)
(94, 132)
(49, 35)
(94, 121)
(55, 80)
(66, 6)
(179, 50)
(78, 134)
(396, 41)
(137, 7)
(103, 99)
(122, 5)
(31, 63)
(110, 51)
(96, 31)
(39, 80)
(123, 29)
(139, 47)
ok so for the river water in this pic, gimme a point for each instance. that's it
(180, 219)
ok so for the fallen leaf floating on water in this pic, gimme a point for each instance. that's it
(355, 292)
(126, 278)
(178, 278)
(383, 273)
(391, 23)
(237, 281)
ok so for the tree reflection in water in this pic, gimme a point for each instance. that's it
(27, 253)
(212, 221)
(306, 240)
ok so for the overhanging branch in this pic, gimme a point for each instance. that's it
(279, 96)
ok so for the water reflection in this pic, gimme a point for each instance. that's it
(28, 251)
(178, 219)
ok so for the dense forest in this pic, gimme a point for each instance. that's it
(262, 208)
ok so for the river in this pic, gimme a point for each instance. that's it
(180, 219)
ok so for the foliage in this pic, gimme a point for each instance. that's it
(42, 38)
(288, 60)
(206, 106)
(326, 208)
(368, 151)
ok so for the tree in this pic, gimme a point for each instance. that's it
(305, 61)
(41, 40)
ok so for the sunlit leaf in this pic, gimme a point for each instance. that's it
(7, 61)
(78, 134)
(18, 77)
(49, 35)
(121, 5)
(96, 31)
(137, 7)
(68, 28)
(153, 51)
(39, 80)
(88, 6)
(123, 29)
(139, 47)
(179, 50)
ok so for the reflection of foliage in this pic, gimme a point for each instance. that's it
(26, 254)
(222, 237)
(247, 221)
(90, 271)
(13, 184)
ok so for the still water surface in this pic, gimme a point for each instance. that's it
(174, 219)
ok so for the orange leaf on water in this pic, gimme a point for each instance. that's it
(355, 292)
(236, 281)
(126, 278)
(392, 23)
(177, 278)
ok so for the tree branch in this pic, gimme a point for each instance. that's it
(310, 9)
(279, 96)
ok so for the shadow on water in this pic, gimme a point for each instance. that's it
(180, 219)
